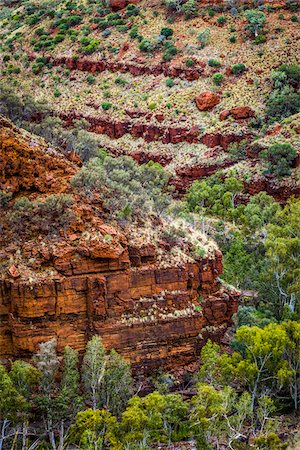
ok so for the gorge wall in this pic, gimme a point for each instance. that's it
(91, 280)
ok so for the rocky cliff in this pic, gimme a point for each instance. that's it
(92, 277)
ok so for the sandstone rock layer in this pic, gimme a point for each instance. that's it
(155, 313)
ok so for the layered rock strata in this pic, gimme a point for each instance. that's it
(93, 280)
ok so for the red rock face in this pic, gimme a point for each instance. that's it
(92, 285)
(207, 101)
(238, 113)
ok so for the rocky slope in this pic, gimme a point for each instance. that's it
(92, 278)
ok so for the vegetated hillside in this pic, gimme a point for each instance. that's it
(156, 135)
(167, 82)
(70, 270)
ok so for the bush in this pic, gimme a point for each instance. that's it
(128, 190)
(218, 78)
(106, 106)
(260, 39)
(4, 198)
(169, 82)
(279, 157)
(90, 79)
(190, 9)
(232, 39)
(256, 21)
(146, 46)
(170, 51)
(221, 20)
(238, 69)
(213, 63)
(167, 32)
(204, 37)
(132, 10)
(189, 62)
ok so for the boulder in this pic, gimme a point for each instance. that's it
(206, 101)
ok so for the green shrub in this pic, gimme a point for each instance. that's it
(106, 106)
(232, 39)
(146, 46)
(169, 82)
(131, 190)
(218, 78)
(5, 197)
(167, 32)
(238, 69)
(256, 21)
(260, 39)
(294, 18)
(213, 63)
(152, 106)
(120, 81)
(204, 37)
(90, 79)
(189, 62)
(190, 9)
(56, 92)
(279, 157)
(221, 20)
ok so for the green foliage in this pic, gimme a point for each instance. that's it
(167, 32)
(204, 38)
(216, 196)
(5, 197)
(238, 69)
(283, 251)
(117, 384)
(218, 78)
(190, 9)
(95, 428)
(279, 157)
(256, 21)
(213, 63)
(106, 106)
(189, 62)
(90, 79)
(284, 100)
(169, 82)
(128, 189)
(93, 370)
(221, 20)
(155, 418)
(146, 46)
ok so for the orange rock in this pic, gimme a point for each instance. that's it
(207, 101)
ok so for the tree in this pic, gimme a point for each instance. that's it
(219, 415)
(117, 384)
(283, 252)
(261, 358)
(280, 158)
(292, 356)
(68, 401)
(47, 362)
(93, 370)
(12, 405)
(190, 9)
(25, 378)
(155, 418)
(95, 429)
(204, 37)
(256, 21)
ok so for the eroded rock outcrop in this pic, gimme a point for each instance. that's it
(93, 279)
